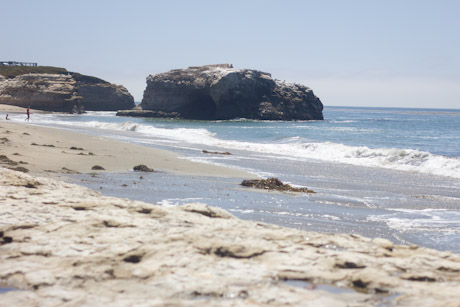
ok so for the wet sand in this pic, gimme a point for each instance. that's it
(44, 150)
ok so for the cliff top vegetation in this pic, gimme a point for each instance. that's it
(13, 71)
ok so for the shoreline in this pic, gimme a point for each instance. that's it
(349, 200)
(66, 244)
(46, 151)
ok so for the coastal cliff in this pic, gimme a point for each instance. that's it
(222, 92)
(59, 90)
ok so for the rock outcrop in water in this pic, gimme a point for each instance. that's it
(273, 184)
(63, 92)
(222, 92)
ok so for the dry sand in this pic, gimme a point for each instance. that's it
(7, 109)
(48, 150)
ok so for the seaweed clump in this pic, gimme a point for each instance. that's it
(5, 160)
(142, 168)
(273, 184)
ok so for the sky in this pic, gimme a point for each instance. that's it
(351, 53)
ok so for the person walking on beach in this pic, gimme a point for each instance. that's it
(28, 114)
(7, 118)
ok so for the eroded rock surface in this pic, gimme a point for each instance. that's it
(64, 92)
(68, 245)
(222, 92)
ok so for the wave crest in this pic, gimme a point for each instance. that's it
(295, 148)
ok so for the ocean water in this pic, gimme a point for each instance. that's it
(387, 172)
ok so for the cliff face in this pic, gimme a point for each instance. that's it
(222, 92)
(39, 91)
(100, 95)
(63, 92)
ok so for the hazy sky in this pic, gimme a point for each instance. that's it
(355, 53)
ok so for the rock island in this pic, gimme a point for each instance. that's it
(222, 92)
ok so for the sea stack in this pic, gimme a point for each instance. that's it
(56, 89)
(222, 92)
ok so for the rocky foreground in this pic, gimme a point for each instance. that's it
(62, 91)
(223, 92)
(66, 245)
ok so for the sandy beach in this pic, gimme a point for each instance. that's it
(53, 151)
(7, 109)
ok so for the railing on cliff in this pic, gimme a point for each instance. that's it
(14, 63)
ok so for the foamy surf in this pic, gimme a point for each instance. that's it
(428, 220)
(390, 158)
(293, 147)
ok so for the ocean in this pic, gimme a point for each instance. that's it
(378, 172)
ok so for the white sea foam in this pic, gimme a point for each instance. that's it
(173, 202)
(290, 148)
(242, 211)
(342, 121)
(101, 113)
(410, 220)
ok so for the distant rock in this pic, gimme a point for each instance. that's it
(63, 92)
(148, 113)
(222, 92)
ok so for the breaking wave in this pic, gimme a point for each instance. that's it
(294, 148)
(428, 220)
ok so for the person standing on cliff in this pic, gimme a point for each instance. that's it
(28, 114)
